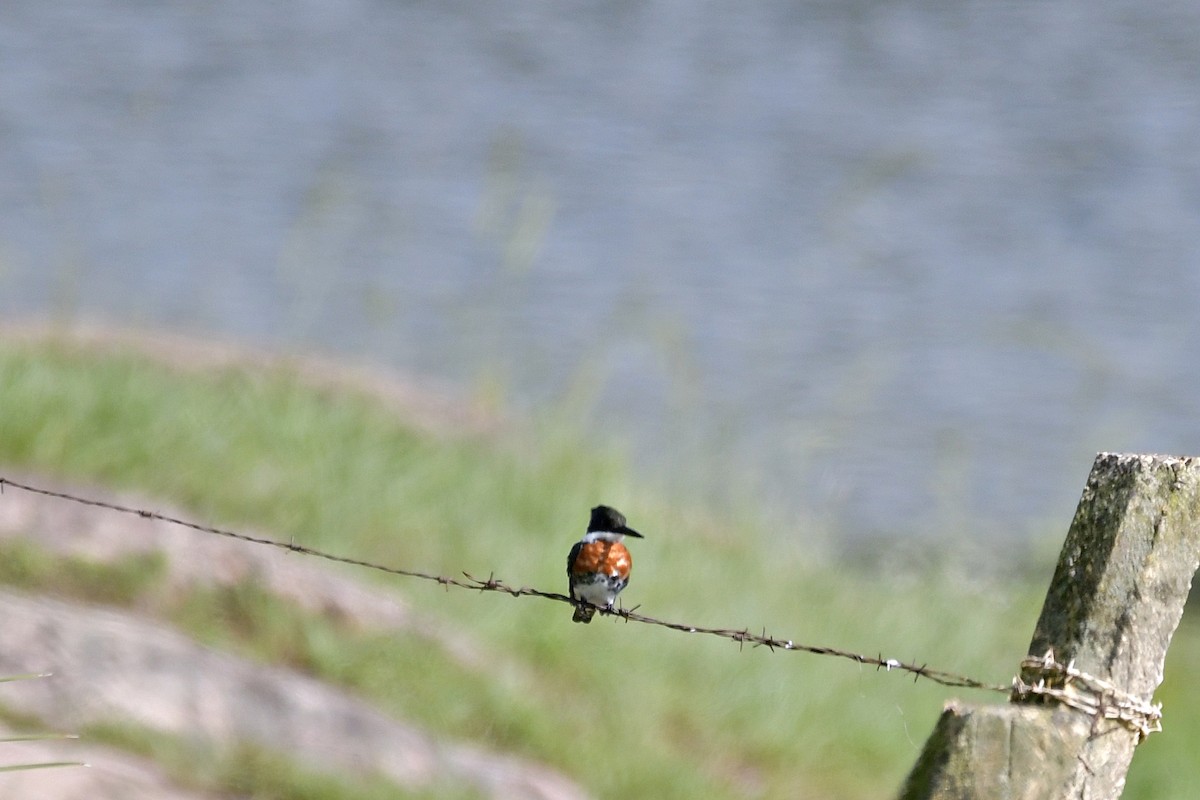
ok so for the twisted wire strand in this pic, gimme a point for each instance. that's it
(741, 636)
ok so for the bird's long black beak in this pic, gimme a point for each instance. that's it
(629, 532)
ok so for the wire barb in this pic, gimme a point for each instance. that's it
(740, 636)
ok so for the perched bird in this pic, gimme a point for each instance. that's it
(598, 566)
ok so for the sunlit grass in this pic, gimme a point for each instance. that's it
(25, 565)
(30, 732)
(244, 770)
(625, 709)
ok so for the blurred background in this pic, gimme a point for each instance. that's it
(888, 267)
(780, 280)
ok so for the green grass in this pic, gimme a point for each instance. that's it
(25, 565)
(627, 710)
(246, 771)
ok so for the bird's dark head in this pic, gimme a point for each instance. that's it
(608, 519)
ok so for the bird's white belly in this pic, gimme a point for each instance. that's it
(598, 593)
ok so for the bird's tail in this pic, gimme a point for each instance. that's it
(584, 613)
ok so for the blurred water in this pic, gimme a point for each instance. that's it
(901, 268)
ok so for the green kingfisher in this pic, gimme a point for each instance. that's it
(598, 566)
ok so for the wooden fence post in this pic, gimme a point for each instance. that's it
(1083, 699)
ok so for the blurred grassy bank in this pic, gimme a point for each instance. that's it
(626, 710)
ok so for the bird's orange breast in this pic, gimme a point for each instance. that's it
(608, 558)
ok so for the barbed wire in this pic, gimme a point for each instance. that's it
(742, 636)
